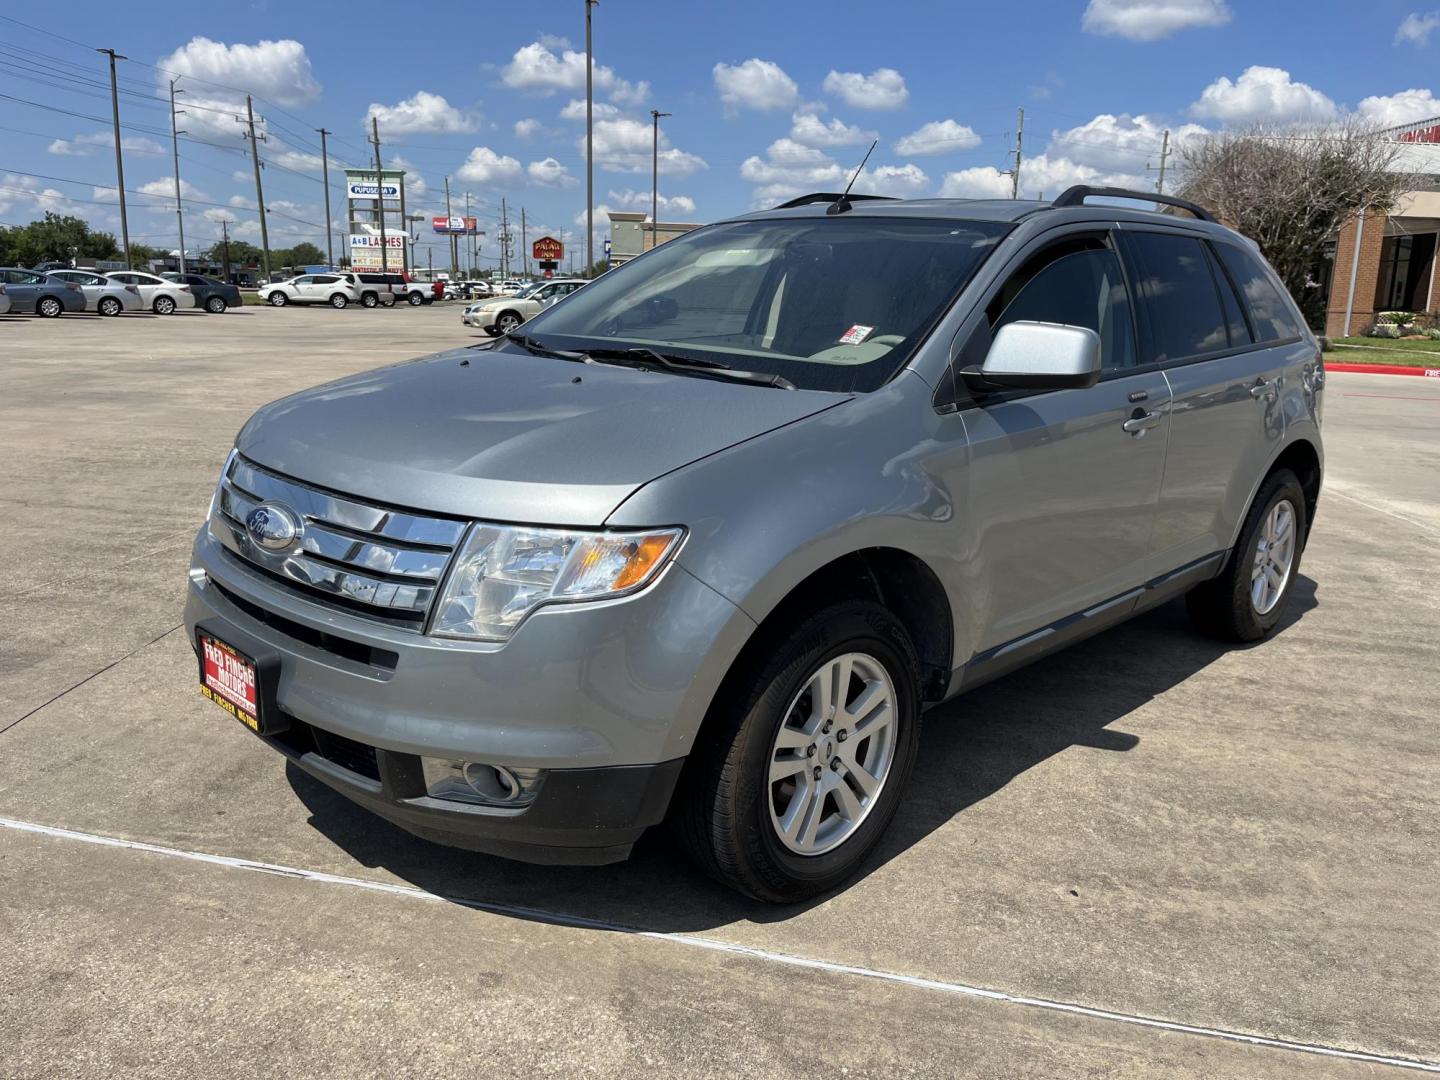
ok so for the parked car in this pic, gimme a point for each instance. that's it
(706, 538)
(41, 294)
(211, 294)
(375, 289)
(4, 301)
(510, 287)
(505, 313)
(475, 290)
(332, 289)
(158, 295)
(101, 294)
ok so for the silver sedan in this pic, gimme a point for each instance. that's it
(101, 294)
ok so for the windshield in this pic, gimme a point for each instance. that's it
(832, 303)
(528, 289)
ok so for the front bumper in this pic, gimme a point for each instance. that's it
(607, 698)
(485, 320)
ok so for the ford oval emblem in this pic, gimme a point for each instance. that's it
(273, 527)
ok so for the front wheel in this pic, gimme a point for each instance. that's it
(49, 308)
(805, 755)
(215, 305)
(108, 306)
(389, 301)
(1251, 595)
(416, 299)
(507, 322)
(278, 299)
(369, 300)
(338, 301)
(164, 305)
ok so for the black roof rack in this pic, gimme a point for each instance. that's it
(1076, 196)
(825, 197)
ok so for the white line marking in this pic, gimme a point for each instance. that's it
(1421, 525)
(715, 945)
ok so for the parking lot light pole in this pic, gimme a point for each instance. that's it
(655, 115)
(119, 160)
(325, 170)
(175, 150)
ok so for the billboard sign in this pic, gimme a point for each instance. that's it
(360, 189)
(547, 249)
(463, 225)
(365, 251)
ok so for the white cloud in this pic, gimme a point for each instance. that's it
(550, 173)
(276, 70)
(165, 187)
(755, 84)
(88, 143)
(242, 202)
(624, 145)
(1262, 94)
(539, 68)
(1041, 174)
(485, 166)
(1150, 20)
(883, 88)
(807, 128)
(575, 110)
(898, 181)
(415, 186)
(1416, 28)
(938, 137)
(27, 191)
(669, 205)
(217, 215)
(528, 128)
(789, 169)
(1403, 108)
(423, 113)
(1118, 144)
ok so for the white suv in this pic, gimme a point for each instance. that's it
(332, 289)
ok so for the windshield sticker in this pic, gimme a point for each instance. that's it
(856, 334)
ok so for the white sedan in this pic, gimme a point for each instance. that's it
(102, 294)
(160, 296)
(504, 313)
(332, 289)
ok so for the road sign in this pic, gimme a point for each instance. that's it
(443, 224)
(547, 248)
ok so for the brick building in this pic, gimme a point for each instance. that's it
(1387, 262)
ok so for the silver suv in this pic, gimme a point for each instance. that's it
(704, 541)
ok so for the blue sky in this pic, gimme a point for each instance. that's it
(769, 99)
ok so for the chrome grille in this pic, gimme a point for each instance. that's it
(377, 560)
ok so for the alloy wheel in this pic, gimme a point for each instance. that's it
(1274, 558)
(832, 754)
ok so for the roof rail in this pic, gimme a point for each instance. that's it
(825, 197)
(1076, 196)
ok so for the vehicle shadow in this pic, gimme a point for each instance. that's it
(971, 748)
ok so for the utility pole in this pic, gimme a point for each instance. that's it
(380, 196)
(524, 242)
(225, 243)
(1164, 154)
(119, 161)
(504, 240)
(259, 191)
(655, 115)
(454, 270)
(407, 259)
(589, 142)
(175, 150)
(469, 239)
(325, 170)
(1019, 142)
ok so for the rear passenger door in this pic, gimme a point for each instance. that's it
(23, 287)
(1225, 372)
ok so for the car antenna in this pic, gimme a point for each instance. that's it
(840, 205)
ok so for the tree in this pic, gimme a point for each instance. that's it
(305, 254)
(57, 238)
(1291, 189)
(241, 253)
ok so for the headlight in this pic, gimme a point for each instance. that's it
(504, 572)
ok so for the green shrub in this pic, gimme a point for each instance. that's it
(1395, 317)
(1385, 330)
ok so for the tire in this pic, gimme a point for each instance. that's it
(164, 305)
(389, 301)
(369, 300)
(730, 813)
(47, 307)
(1235, 606)
(278, 299)
(215, 305)
(109, 306)
(416, 299)
(338, 301)
(507, 321)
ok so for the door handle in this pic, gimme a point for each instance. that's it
(1140, 422)
(1263, 388)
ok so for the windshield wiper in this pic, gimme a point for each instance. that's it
(645, 357)
(531, 345)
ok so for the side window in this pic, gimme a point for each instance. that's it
(1271, 314)
(303, 280)
(22, 277)
(1177, 289)
(1077, 282)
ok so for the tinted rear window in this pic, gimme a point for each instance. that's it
(1269, 311)
(1178, 291)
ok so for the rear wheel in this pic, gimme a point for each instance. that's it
(47, 307)
(215, 305)
(278, 299)
(416, 299)
(338, 300)
(369, 300)
(389, 301)
(507, 321)
(805, 756)
(109, 306)
(1251, 595)
(164, 305)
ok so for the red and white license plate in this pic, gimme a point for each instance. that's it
(229, 679)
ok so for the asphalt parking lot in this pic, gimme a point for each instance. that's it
(1146, 856)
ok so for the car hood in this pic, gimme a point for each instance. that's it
(510, 436)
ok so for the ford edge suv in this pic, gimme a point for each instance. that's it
(705, 541)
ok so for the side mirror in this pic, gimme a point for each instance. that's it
(1038, 356)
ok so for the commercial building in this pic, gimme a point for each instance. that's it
(634, 234)
(1387, 262)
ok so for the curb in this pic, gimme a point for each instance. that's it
(1384, 369)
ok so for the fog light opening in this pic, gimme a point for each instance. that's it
(480, 782)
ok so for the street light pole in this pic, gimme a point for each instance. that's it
(119, 161)
(655, 115)
(589, 143)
